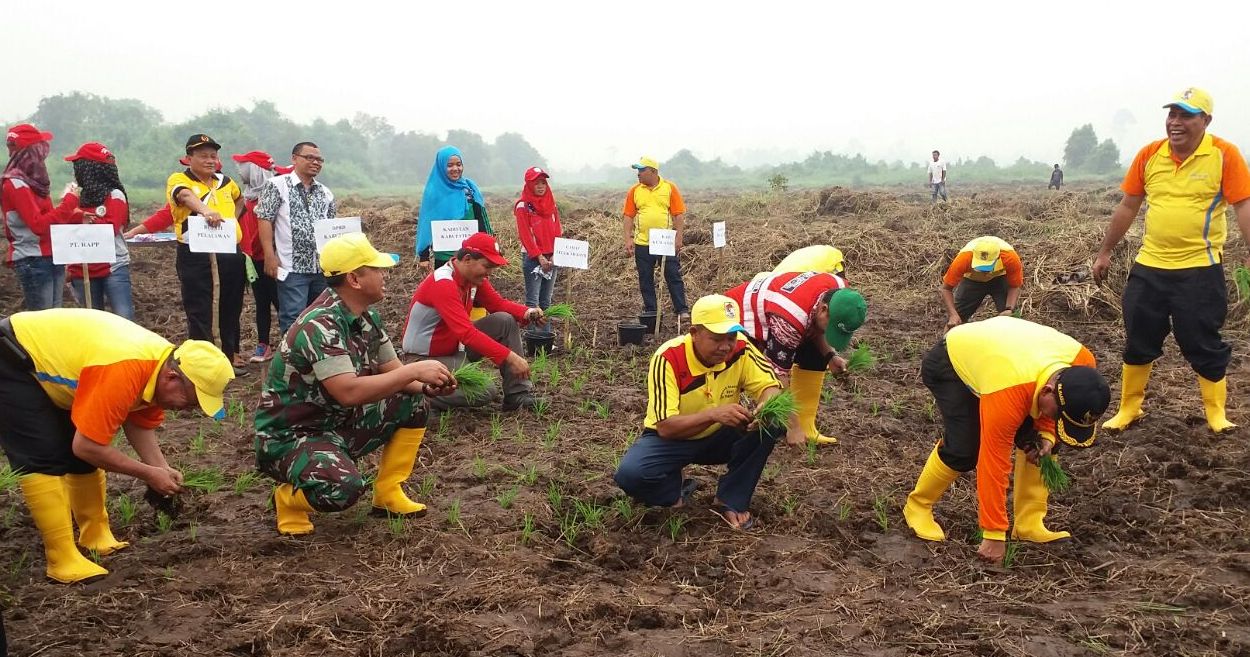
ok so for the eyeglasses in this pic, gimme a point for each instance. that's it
(313, 158)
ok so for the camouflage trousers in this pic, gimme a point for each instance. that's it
(323, 465)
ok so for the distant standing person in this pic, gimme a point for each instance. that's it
(103, 201)
(255, 170)
(538, 226)
(655, 203)
(937, 177)
(289, 207)
(1177, 282)
(28, 214)
(448, 196)
(1056, 178)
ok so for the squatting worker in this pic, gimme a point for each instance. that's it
(78, 375)
(336, 391)
(1000, 384)
(801, 321)
(202, 190)
(1177, 281)
(986, 267)
(439, 323)
(655, 203)
(694, 383)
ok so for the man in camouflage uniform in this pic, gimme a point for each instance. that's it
(336, 391)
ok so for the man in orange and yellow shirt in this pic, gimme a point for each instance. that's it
(1177, 282)
(655, 203)
(986, 266)
(1000, 384)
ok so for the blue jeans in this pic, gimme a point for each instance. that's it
(650, 471)
(115, 287)
(538, 290)
(939, 188)
(646, 263)
(294, 295)
(43, 283)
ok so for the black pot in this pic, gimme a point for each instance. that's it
(631, 333)
(647, 319)
(536, 341)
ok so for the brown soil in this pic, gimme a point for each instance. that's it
(1160, 563)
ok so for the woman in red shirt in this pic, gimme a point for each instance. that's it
(102, 200)
(538, 226)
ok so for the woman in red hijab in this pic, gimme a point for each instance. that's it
(538, 226)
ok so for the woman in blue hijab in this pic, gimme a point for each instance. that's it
(448, 196)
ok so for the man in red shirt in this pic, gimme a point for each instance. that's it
(439, 327)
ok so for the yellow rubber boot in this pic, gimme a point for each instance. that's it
(86, 500)
(934, 480)
(806, 386)
(1028, 501)
(292, 509)
(1214, 394)
(49, 507)
(398, 457)
(1132, 394)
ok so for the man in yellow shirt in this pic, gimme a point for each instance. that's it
(1177, 281)
(655, 203)
(694, 383)
(201, 190)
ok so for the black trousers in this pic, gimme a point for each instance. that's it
(40, 438)
(265, 292)
(195, 275)
(961, 412)
(970, 294)
(1189, 303)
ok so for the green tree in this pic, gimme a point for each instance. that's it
(1105, 158)
(1080, 147)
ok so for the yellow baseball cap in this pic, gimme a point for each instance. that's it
(347, 253)
(984, 254)
(646, 163)
(209, 370)
(717, 313)
(1193, 100)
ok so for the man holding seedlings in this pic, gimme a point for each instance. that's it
(70, 379)
(439, 328)
(693, 416)
(1177, 282)
(336, 391)
(801, 320)
(986, 267)
(655, 203)
(1004, 383)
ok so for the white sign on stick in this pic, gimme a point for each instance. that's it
(663, 242)
(571, 253)
(77, 243)
(325, 230)
(449, 235)
(718, 234)
(202, 238)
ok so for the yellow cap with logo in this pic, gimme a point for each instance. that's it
(646, 163)
(347, 253)
(209, 371)
(1193, 100)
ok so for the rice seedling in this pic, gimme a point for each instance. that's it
(555, 497)
(1056, 480)
(552, 435)
(561, 311)
(199, 446)
(590, 513)
(247, 481)
(453, 514)
(542, 406)
(844, 510)
(193, 531)
(1010, 553)
(570, 528)
(579, 382)
(507, 497)
(790, 504)
(861, 359)
(527, 529)
(479, 467)
(674, 525)
(881, 509)
(539, 366)
(624, 508)
(164, 522)
(444, 423)
(776, 411)
(9, 517)
(553, 374)
(205, 480)
(530, 475)
(239, 411)
(496, 427)
(811, 453)
(9, 478)
(1241, 276)
(427, 485)
(473, 381)
(395, 522)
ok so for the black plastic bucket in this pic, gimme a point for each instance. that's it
(647, 319)
(631, 333)
(536, 341)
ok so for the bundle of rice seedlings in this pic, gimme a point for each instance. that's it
(1241, 276)
(776, 412)
(472, 380)
(559, 311)
(861, 359)
(1053, 476)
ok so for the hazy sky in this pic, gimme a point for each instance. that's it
(593, 82)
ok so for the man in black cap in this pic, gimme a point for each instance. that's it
(201, 190)
(1005, 383)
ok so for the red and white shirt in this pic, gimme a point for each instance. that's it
(777, 309)
(438, 319)
(28, 219)
(116, 211)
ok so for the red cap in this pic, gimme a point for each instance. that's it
(283, 170)
(534, 173)
(25, 134)
(92, 150)
(259, 158)
(484, 244)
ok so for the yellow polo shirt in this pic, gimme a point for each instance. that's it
(818, 257)
(1186, 201)
(678, 383)
(220, 195)
(652, 208)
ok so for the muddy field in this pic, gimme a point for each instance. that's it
(529, 549)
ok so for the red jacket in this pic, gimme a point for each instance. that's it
(28, 219)
(438, 319)
(251, 233)
(160, 221)
(538, 233)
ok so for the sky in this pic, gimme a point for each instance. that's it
(590, 83)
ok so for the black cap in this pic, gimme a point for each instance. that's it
(200, 139)
(1083, 397)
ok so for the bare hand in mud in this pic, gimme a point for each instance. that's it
(1102, 262)
(167, 504)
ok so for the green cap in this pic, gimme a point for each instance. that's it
(847, 311)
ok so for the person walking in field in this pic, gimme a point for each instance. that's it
(1004, 384)
(538, 226)
(655, 203)
(1176, 283)
(986, 267)
(336, 391)
(937, 177)
(1056, 178)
